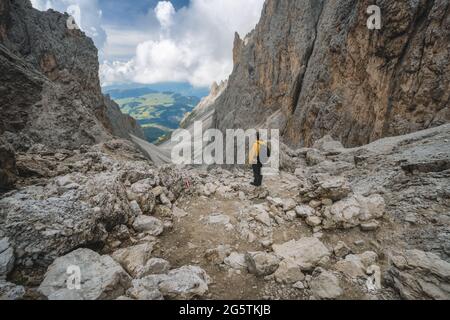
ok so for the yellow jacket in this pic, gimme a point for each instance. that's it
(254, 152)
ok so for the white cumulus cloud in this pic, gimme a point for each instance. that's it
(193, 44)
(164, 13)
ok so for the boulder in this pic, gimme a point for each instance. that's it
(185, 283)
(133, 259)
(165, 200)
(236, 261)
(313, 221)
(101, 278)
(354, 211)
(304, 211)
(146, 289)
(45, 221)
(149, 225)
(218, 218)
(355, 266)
(325, 285)
(314, 157)
(306, 252)
(324, 186)
(156, 266)
(289, 272)
(417, 275)
(261, 263)
(341, 249)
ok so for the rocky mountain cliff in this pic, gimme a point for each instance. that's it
(49, 87)
(313, 68)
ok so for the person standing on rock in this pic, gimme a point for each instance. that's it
(258, 157)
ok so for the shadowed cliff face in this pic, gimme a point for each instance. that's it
(49, 86)
(313, 68)
(52, 89)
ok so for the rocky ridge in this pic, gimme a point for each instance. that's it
(313, 68)
(50, 90)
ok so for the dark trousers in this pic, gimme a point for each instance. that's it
(257, 174)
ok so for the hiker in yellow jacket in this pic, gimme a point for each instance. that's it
(258, 152)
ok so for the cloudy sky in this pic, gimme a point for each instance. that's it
(150, 41)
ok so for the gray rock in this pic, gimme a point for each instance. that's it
(289, 204)
(355, 211)
(149, 225)
(304, 211)
(185, 283)
(419, 275)
(236, 261)
(101, 277)
(289, 272)
(155, 266)
(261, 263)
(146, 289)
(44, 222)
(313, 221)
(8, 169)
(324, 186)
(326, 286)
(306, 252)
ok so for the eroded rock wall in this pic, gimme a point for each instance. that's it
(313, 68)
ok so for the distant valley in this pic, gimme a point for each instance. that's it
(158, 108)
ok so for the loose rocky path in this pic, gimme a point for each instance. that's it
(336, 223)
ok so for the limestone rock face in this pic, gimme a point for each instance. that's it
(49, 86)
(420, 275)
(313, 68)
(306, 252)
(122, 125)
(6, 258)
